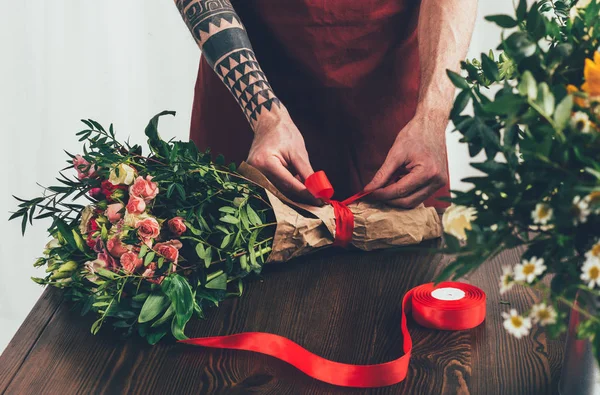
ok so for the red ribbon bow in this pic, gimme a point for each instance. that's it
(427, 310)
(318, 184)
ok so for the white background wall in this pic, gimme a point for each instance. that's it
(112, 61)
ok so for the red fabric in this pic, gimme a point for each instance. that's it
(346, 70)
(465, 313)
(319, 186)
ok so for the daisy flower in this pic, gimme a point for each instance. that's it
(581, 122)
(506, 280)
(515, 324)
(542, 314)
(590, 272)
(541, 214)
(594, 252)
(593, 201)
(528, 270)
(580, 210)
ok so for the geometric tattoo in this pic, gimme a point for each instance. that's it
(225, 45)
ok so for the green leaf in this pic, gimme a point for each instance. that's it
(545, 99)
(225, 240)
(154, 305)
(252, 216)
(503, 21)
(522, 10)
(563, 112)
(458, 81)
(519, 46)
(180, 191)
(528, 86)
(219, 282)
(177, 329)
(149, 257)
(452, 242)
(154, 337)
(165, 317)
(208, 257)
(143, 250)
(200, 250)
(157, 145)
(228, 210)
(230, 219)
(461, 102)
(504, 105)
(180, 293)
(490, 68)
(536, 25)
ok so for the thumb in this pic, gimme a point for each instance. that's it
(382, 176)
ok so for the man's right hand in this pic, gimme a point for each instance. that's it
(278, 151)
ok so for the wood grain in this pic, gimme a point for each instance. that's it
(342, 305)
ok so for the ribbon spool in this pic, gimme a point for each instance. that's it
(447, 306)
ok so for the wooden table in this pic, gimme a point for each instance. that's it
(341, 305)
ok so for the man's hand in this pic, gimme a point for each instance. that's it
(418, 156)
(278, 151)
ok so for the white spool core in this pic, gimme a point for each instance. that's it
(448, 293)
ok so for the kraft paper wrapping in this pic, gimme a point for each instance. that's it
(302, 229)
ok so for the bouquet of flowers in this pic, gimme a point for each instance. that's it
(166, 235)
(539, 186)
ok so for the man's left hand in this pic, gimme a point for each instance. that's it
(419, 153)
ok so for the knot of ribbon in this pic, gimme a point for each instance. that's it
(319, 186)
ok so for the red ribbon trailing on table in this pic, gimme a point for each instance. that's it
(318, 184)
(448, 306)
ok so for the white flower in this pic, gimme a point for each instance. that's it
(457, 220)
(580, 122)
(528, 270)
(581, 4)
(593, 201)
(86, 216)
(542, 214)
(131, 220)
(590, 272)
(52, 244)
(506, 280)
(580, 209)
(516, 325)
(594, 252)
(126, 175)
(92, 267)
(542, 314)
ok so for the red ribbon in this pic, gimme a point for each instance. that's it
(318, 184)
(431, 312)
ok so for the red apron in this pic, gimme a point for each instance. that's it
(346, 70)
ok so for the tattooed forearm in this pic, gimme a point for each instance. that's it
(220, 34)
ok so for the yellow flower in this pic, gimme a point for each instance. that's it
(457, 220)
(591, 73)
(581, 102)
(122, 174)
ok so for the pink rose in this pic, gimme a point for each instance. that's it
(136, 205)
(113, 212)
(115, 247)
(131, 262)
(170, 250)
(144, 188)
(108, 259)
(148, 228)
(177, 226)
(83, 167)
(150, 272)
